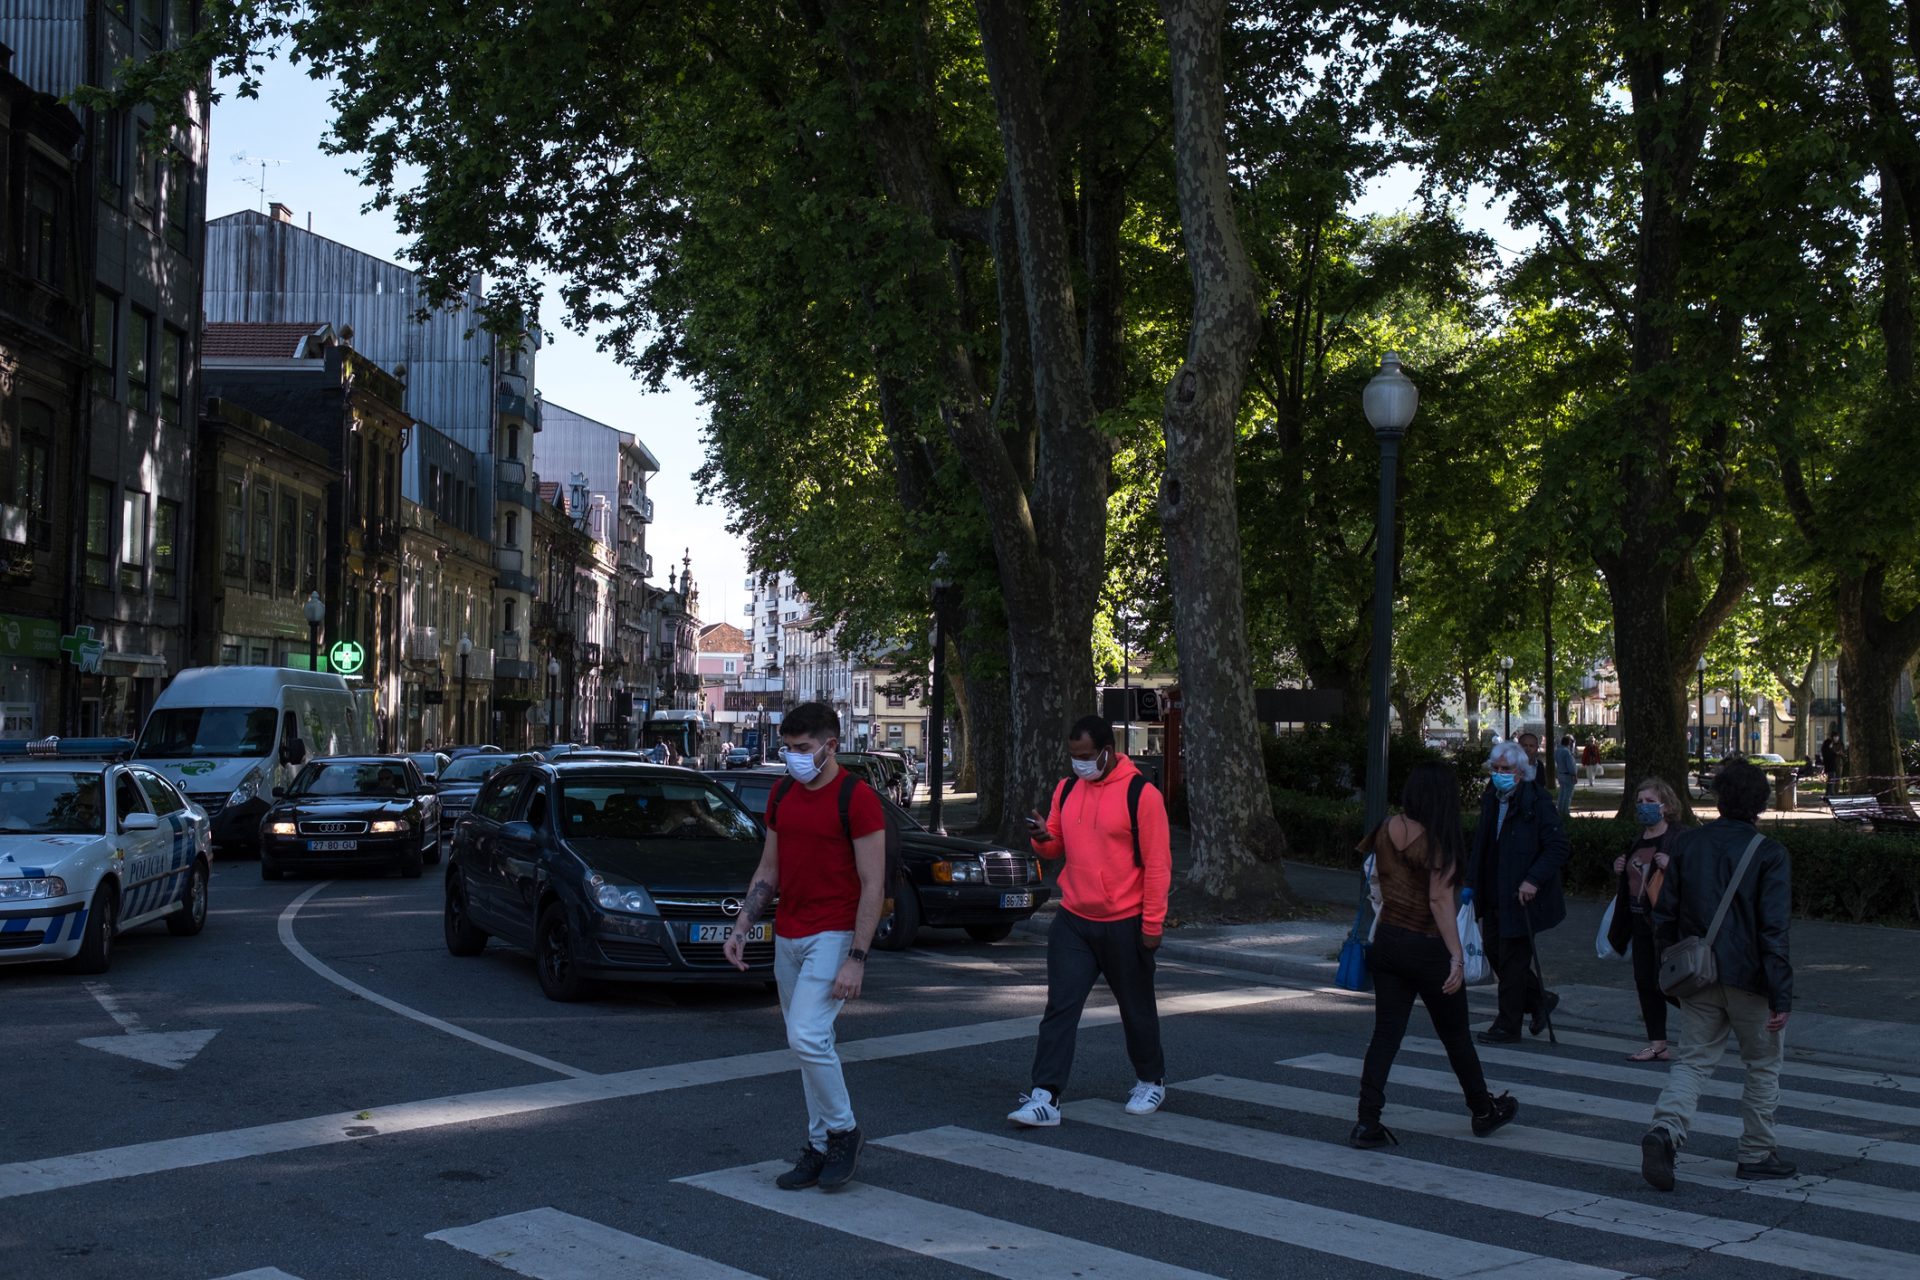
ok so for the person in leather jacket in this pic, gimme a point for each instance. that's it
(1514, 870)
(1754, 994)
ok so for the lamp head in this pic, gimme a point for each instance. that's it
(1701, 666)
(315, 609)
(1390, 399)
(1506, 664)
(466, 645)
(553, 666)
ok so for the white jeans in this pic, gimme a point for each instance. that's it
(804, 969)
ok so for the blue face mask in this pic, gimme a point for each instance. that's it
(1648, 813)
(1503, 782)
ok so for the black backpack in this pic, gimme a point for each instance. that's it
(892, 828)
(1137, 785)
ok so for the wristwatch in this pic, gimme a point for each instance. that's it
(857, 954)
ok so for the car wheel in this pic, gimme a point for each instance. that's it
(464, 938)
(96, 945)
(553, 957)
(269, 870)
(411, 862)
(430, 851)
(899, 929)
(989, 932)
(191, 918)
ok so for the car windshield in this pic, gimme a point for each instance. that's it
(474, 768)
(51, 803)
(609, 807)
(176, 733)
(384, 781)
(425, 761)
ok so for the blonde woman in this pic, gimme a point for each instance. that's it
(1640, 871)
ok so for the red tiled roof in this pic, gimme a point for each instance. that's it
(550, 492)
(724, 637)
(257, 340)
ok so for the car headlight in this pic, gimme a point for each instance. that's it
(28, 888)
(248, 789)
(631, 899)
(283, 828)
(389, 827)
(959, 873)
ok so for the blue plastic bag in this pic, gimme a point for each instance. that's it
(1352, 974)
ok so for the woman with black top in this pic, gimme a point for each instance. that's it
(1418, 857)
(1640, 871)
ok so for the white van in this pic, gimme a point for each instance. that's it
(227, 736)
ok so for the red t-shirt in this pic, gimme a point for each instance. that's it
(819, 884)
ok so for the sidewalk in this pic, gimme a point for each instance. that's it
(1855, 990)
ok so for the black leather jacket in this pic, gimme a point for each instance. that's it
(1532, 846)
(1751, 947)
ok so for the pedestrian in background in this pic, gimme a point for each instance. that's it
(1519, 849)
(1753, 992)
(1833, 758)
(1567, 769)
(1590, 757)
(1419, 859)
(1639, 874)
(1109, 825)
(1530, 743)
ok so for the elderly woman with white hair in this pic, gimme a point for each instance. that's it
(1519, 849)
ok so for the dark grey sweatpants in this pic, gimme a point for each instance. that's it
(1078, 951)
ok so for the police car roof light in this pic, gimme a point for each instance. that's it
(54, 748)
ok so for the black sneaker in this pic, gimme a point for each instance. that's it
(843, 1156)
(1544, 1012)
(805, 1172)
(1369, 1134)
(1656, 1159)
(1771, 1167)
(1499, 1111)
(1497, 1034)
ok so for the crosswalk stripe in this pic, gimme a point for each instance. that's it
(1755, 1242)
(1827, 1193)
(1307, 1226)
(1621, 1073)
(261, 1273)
(547, 1244)
(1792, 1068)
(1851, 1146)
(934, 1230)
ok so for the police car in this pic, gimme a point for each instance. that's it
(92, 845)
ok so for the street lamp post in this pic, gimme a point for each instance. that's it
(1700, 706)
(1737, 737)
(936, 753)
(619, 716)
(760, 709)
(1506, 699)
(1389, 402)
(466, 651)
(553, 699)
(315, 611)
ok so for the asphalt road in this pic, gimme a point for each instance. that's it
(368, 1106)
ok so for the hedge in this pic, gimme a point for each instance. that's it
(1838, 873)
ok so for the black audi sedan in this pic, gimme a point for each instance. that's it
(951, 882)
(605, 868)
(372, 812)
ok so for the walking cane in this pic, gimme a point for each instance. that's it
(1533, 945)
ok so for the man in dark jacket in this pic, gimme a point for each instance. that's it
(1755, 989)
(1519, 848)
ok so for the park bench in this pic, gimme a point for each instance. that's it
(1876, 812)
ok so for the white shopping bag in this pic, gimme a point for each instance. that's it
(1602, 947)
(1476, 969)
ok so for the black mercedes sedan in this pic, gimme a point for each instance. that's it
(605, 868)
(951, 882)
(372, 812)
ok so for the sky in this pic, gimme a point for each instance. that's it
(285, 124)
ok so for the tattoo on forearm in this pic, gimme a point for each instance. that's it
(759, 898)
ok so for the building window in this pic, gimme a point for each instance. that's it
(513, 443)
(99, 531)
(234, 556)
(40, 230)
(106, 341)
(730, 667)
(144, 168)
(150, 15)
(513, 532)
(434, 499)
(133, 541)
(110, 155)
(31, 487)
(310, 536)
(166, 549)
(179, 188)
(180, 21)
(140, 358)
(173, 350)
(289, 541)
(263, 535)
(896, 700)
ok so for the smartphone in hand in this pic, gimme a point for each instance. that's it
(1037, 827)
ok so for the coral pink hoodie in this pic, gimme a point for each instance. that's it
(1099, 880)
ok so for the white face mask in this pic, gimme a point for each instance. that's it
(802, 766)
(1088, 770)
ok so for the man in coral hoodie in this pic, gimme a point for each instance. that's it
(1110, 826)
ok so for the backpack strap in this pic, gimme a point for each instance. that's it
(1066, 789)
(779, 793)
(847, 781)
(1733, 885)
(1134, 789)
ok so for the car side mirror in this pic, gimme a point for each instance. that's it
(293, 753)
(140, 822)
(279, 792)
(428, 789)
(518, 831)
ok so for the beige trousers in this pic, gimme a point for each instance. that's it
(1702, 1026)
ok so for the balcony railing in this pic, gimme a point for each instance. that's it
(423, 644)
(508, 559)
(479, 665)
(589, 656)
(506, 646)
(510, 471)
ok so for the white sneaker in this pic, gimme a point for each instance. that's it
(1145, 1098)
(1036, 1110)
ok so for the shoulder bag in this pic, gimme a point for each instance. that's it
(1687, 967)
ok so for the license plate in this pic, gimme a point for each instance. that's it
(1016, 899)
(332, 846)
(719, 932)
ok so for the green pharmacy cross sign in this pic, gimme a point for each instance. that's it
(347, 657)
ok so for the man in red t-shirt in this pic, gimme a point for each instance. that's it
(830, 878)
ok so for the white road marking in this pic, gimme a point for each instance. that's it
(1828, 1193)
(1622, 1073)
(1303, 1225)
(1755, 1242)
(261, 1273)
(547, 1244)
(30, 1177)
(934, 1230)
(1791, 1068)
(170, 1049)
(313, 962)
(1848, 1145)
